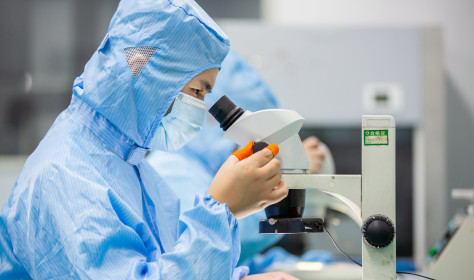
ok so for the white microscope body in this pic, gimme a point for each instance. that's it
(371, 195)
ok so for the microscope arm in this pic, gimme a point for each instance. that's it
(347, 188)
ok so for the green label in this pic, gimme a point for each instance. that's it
(376, 137)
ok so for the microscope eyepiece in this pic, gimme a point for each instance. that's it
(225, 112)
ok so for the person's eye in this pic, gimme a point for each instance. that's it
(197, 91)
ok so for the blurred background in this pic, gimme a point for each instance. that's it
(332, 61)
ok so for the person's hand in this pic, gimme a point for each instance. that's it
(270, 276)
(249, 185)
(316, 153)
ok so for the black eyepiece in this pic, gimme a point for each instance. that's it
(226, 112)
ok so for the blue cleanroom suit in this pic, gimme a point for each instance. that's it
(86, 205)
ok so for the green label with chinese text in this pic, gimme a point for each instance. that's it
(376, 137)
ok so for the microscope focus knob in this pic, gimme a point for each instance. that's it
(378, 231)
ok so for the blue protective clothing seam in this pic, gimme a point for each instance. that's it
(115, 140)
(151, 217)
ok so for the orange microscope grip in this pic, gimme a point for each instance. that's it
(274, 148)
(245, 152)
(248, 150)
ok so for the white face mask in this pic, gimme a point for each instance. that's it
(181, 124)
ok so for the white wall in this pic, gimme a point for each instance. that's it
(456, 17)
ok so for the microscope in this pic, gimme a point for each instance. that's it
(371, 195)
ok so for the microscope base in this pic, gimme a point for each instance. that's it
(290, 225)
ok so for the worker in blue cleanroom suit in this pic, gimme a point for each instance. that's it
(87, 206)
(191, 169)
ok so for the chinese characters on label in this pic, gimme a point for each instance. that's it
(376, 137)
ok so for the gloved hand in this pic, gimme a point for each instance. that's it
(249, 182)
(316, 153)
(270, 276)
